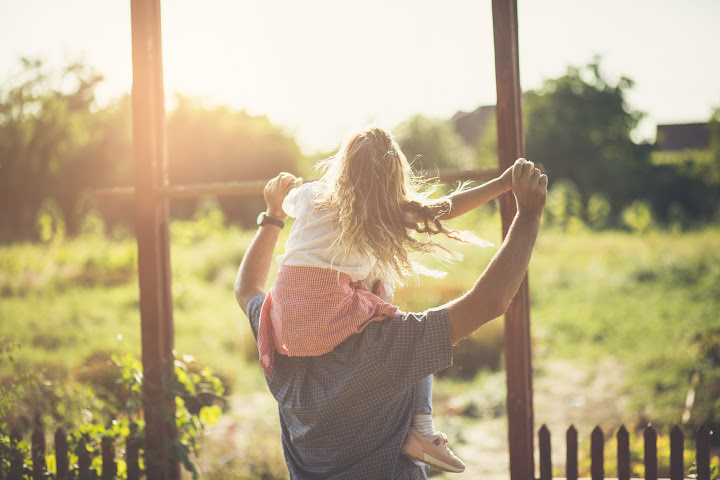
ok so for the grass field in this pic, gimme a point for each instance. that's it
(647, 303)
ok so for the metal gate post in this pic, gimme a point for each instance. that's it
(511, 145)
(151, 222)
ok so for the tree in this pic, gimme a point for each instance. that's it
(714, 167)
(57, 147)
(432, 145)
(486, 144)
(44, 127)
(217, 144)
(686, 182)
(579, 127)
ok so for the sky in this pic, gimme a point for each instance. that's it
(323, 68)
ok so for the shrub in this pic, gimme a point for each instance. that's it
(49, 222)
(564, 203)
(598, 211)
(483, 350)
(198, 399)
(638, 217)
(678, 219)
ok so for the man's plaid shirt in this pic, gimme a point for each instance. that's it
(345, 414)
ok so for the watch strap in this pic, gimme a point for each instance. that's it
(265, 219)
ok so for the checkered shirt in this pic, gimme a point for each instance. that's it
(311, 310)
(345, 414)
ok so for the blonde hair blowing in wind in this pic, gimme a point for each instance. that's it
(378, 198)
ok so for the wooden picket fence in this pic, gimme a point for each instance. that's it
(597, 454)
(62, 451)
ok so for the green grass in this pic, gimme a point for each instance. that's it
(60, 320)
(642, 299)
(645, 300)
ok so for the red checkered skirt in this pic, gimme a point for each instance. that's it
(311, 310)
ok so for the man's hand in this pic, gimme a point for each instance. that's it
(275, 192)
(529, 185)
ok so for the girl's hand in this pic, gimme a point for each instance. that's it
(275, 192)
(506, 178)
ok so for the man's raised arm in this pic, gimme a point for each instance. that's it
(497, 285)
(255, 265)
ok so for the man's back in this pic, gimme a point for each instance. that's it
(346, 414)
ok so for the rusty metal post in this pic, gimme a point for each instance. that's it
(151, 221)
(511, 145)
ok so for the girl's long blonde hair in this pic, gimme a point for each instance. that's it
(378, 198)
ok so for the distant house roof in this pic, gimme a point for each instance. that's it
(470, 125)
(686, 136)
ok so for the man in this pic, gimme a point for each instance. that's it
(346, 414)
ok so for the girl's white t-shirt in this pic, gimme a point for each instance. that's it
(312, 236)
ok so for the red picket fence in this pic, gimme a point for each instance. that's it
(62, 451)
(597, 454)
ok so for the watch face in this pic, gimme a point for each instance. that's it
(260, 218)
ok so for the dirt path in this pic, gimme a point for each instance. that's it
(564, 394)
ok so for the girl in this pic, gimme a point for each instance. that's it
(353, 230)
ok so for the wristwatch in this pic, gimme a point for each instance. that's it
(265, 219)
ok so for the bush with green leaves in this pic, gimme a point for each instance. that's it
(598, 211)
(199, 400)
(638, 217)
(564, 204)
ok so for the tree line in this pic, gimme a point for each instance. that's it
(57, 147)
(579, 127)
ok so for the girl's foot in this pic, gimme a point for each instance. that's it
(433, 451)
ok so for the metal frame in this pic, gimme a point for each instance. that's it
(255, 187)
(511, 146)
(152, 191)
(153, 239)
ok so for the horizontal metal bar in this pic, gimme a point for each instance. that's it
(477, 175)
(255, 187)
